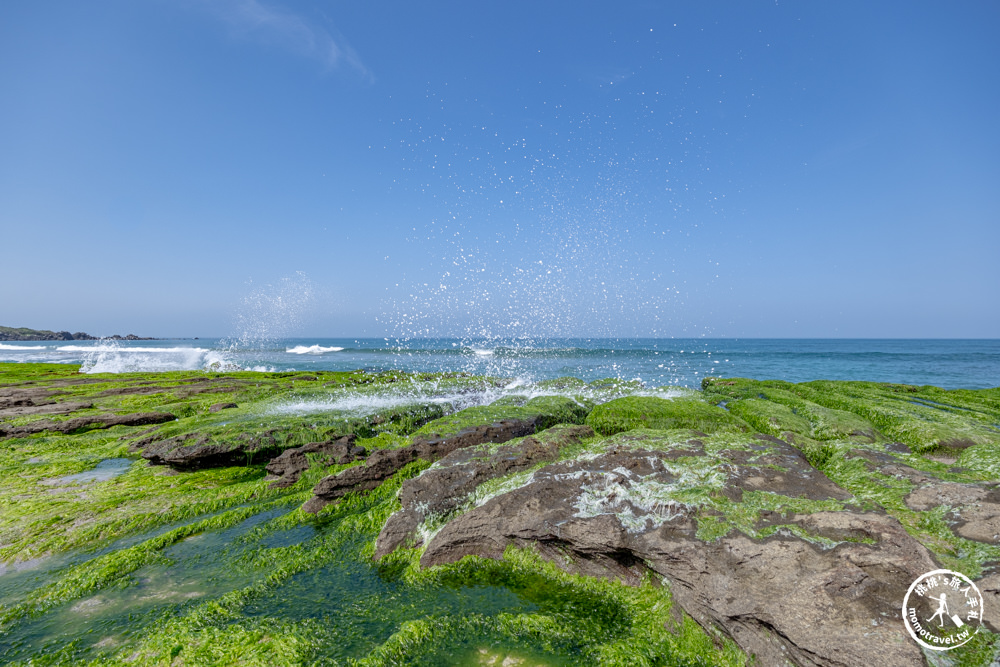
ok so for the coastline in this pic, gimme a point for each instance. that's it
(177, 510)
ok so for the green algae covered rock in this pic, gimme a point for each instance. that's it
(926, 419)
(625, 414)
(542, 412)
(245, 440)
(466, 428)
(753, 523)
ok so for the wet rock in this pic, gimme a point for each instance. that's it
(288, 466)
(218, 407)
(19, 396)
(188, 392)
(192, 451)
(91, 422)
(443, 488)
(225, 443)
(803, 593)
(384, 463)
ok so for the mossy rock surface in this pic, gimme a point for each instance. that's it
(544, 411)
(927, 419)
(632, 412)
(215, 566)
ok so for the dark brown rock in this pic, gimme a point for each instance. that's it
(218, 407)
(384, 463)
(26, 397)
(91, 422)
(776, 466)
(783, 598)
(141, 390)
(26, 407)
(193, 451)
(288, 466)
(442, 489)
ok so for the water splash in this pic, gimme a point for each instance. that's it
(111, 356)
(272, 312)
(452, 398)
(575, 230)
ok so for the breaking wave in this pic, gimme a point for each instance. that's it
(312, 349)
(117, 359)
(111, 357)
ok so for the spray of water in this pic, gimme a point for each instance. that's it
(573, 233)
(271, 312)
(265, 314)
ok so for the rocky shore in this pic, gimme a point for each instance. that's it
(25, 334)
(750, 522)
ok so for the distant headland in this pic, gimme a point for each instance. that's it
(23, 333)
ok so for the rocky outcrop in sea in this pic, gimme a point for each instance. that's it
(25, 334)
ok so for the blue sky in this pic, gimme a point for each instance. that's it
(789, 169)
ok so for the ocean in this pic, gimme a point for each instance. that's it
(950, 364)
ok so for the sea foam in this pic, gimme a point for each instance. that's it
(118, 359)
(4, 346)
(312, 349)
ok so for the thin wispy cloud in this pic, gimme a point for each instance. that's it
(275, 25)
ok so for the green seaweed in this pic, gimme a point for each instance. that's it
(625, 414)
(544, 411)
(260, 557)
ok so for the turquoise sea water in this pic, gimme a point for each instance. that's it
(675, 361)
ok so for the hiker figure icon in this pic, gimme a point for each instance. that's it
(941, 610)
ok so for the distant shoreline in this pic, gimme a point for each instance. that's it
(25, 334)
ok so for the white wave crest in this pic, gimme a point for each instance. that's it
(312, 349)
(21, 347)
(117, 359)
